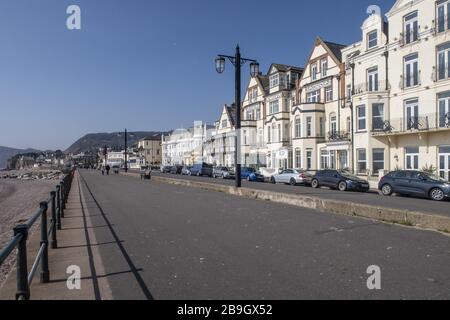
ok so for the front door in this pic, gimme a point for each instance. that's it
(444, 163)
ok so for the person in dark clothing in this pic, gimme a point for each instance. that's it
(107, 170)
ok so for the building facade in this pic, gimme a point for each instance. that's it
(219, 146)
(321, 125)
(184, 146)
(150, 148)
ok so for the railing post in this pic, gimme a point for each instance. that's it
(23, 290)
(62, 198)
(58, 210)
(54, 220)
(45, 273)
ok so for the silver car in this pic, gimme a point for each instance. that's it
(292, 177)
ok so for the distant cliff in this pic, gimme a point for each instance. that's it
(7, 153)
(94, 141)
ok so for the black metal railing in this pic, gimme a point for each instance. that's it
(333, 136)
(57, 204)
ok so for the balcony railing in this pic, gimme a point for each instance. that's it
(371, 87)
(336, 136)
(433, 121)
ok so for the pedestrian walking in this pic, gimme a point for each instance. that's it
(107, 170)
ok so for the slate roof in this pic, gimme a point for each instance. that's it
(335, 49)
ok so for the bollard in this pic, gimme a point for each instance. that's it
(45, 272)
(54, 221)
(58, 203)
(23, 290)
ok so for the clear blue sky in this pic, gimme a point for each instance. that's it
(144, 64)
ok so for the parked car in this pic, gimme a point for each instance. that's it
(292, 177)
(223, 172)
(186, 171)
(202, 169)
(339, 179)
(176, 169)
(415, 183)
(250, 174)
(165, 169)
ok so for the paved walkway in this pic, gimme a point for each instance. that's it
(77, 246)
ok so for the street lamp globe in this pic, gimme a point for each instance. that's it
(254, 69)
(220, 64)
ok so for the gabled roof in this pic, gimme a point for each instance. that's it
(231, 111)
(285, 67)
(264, 82)
(335, 48)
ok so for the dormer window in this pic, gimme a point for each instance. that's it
(274, 80)
(224, 124)
(372, 39)
(411, 28)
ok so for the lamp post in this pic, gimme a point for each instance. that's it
(237, 61)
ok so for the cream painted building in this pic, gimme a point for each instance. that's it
(277, 109)
(219, 146)
(184, 146)
(418, 133)
(253, 140)
(321, 129)
(367, 95)
(400, 92)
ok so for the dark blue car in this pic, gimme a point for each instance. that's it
(251, 175)
(341, 180)
(415, 183)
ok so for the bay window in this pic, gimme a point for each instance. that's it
(298, 127)
(377, 160)
(377, 116)
(361, 117)
(361, 158)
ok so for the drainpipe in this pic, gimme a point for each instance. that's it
(352, 117)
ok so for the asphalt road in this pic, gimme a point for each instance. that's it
(397, 202)
(168, 242)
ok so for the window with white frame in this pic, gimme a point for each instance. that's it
(224, 123)
(411, 71)
(275, 137)
(313, 96)
(443, 15)
(412, 158)
(274, 80)
(372, 39)
(377, 160)
(274, 106)
(444, 109)
(298, 158)
(329, 94)
(333, 123)
(361, 117)
(258, 113)
(314, 71)
(324, 67)
(372, 79)
(361, 158)
(377, 116)
(443, 60)
(411, 27)
(298, 127)
(308, 126)
(308, 159)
